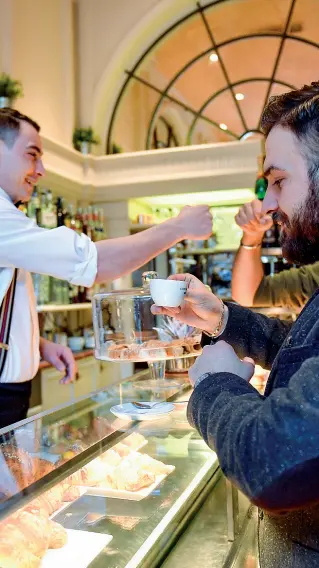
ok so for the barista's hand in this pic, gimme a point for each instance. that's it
(200, 308)
(253, 223)
(221, 358)
(195, 222)
(60, 357)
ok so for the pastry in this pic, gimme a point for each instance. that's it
(50, 501)
(134, 441)
(42, 468)
(112, 457)
(58, 536)
(118, 351)
(131, 478)
(122, 449)
(71, 494)
(95, 472)
(174, 350)
(150, 464)
(20, 464)
(13, 556)
(35, 528)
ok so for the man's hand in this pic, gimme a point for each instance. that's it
(195, 222)
(60, 357)
(221, 358)
(201, 308)
(253, 223)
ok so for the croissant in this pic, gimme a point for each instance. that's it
(35, 528)
(42, 468)
(58, 536)
(20, 463)
(71, 494)
(13, 556)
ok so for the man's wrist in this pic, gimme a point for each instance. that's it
(252, 240)
(211, 328)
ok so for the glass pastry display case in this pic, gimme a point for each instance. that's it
(81, 487)
(126, 330)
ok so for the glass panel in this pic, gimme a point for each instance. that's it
(208, 78)
(205, 133)
(175, 50)
(298, 63)
(251, 105)
(233, 19)
(178, 118)
(133, 117)
(224, 111)
(127, 493)
(305, 20)
(250, 58)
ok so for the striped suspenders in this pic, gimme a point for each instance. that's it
(6, 310)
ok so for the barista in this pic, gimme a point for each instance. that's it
(60, 252)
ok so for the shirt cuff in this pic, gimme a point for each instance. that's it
(85, 270)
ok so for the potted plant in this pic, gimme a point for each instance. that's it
(83, 138)
(10, 89)
(116, 149)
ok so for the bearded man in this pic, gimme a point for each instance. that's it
(269, 445)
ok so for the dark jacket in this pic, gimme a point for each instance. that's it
(269, 445)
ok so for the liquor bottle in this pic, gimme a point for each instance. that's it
(72, 217)
(90, 226)
(79, 221)
(101, 225)
(48, 212)
(34, 206)
(66, 215)
(59, 212)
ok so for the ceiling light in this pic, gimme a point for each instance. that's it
(213, 57)
(240, 96)
(223, 126)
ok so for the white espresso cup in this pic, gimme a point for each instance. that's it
(168, 293)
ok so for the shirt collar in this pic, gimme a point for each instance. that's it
(5, 195)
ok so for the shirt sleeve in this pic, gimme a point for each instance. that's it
(252, 335)
(291, 288)
(60, 252)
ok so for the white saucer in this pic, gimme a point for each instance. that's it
(128, 411)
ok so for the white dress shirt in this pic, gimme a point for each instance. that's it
(58, 252)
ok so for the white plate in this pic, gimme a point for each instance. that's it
(128, 411)
(130, 495)
(81, 549)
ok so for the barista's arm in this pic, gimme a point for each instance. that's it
(64, 254)
(116, 257)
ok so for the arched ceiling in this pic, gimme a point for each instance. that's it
(217, 67)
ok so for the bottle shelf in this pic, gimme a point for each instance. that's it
(63, 307)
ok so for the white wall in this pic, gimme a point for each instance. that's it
(36, 46)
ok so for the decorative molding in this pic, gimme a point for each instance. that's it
(119, 177)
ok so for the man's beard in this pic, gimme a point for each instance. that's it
(299, 237)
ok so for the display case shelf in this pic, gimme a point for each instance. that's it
(42, 308)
